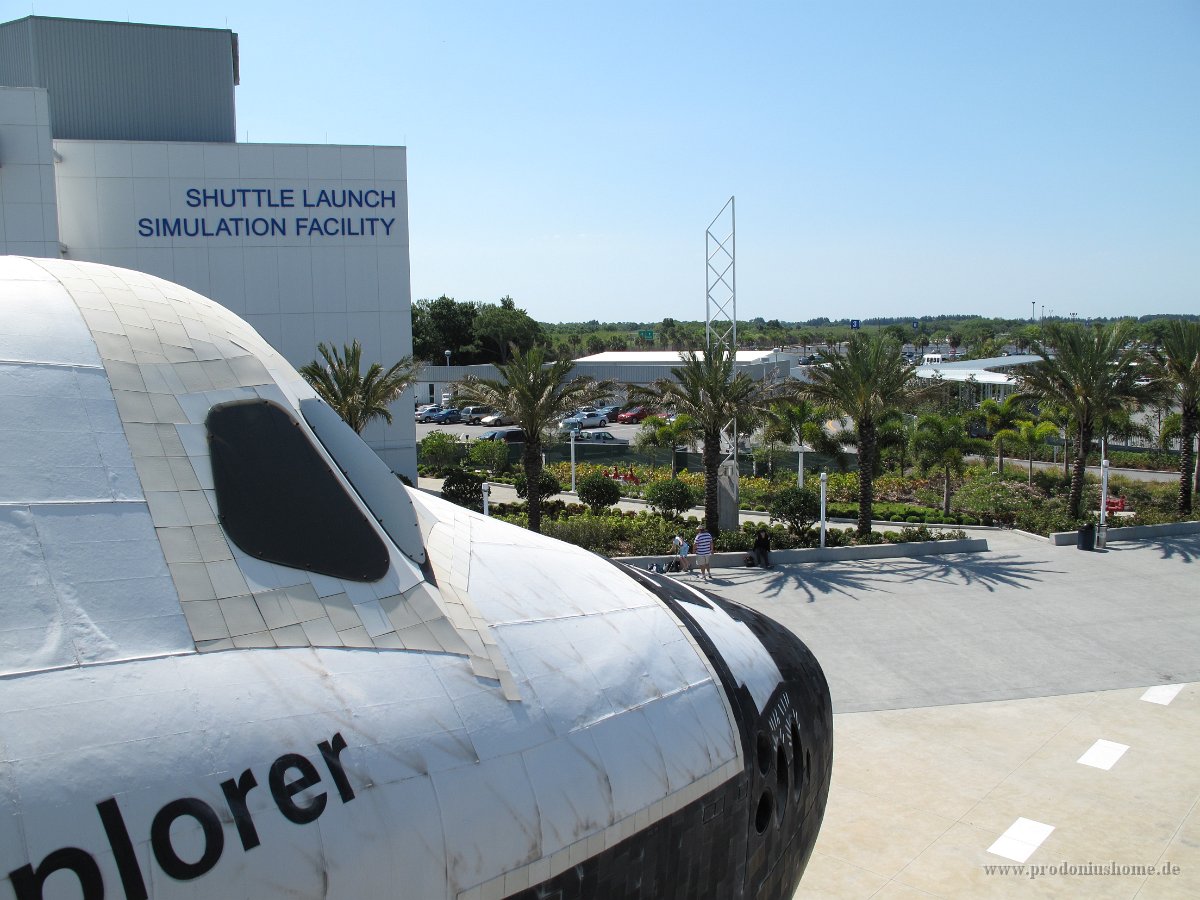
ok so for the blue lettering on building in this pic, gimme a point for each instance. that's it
(250, 200)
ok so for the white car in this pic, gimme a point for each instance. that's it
(585, 418)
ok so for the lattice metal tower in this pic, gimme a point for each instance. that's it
(720, 333)
(720, 317)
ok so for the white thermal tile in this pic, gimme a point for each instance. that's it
(211, 541)
(179, 545)
(227, 580)
(290, 636)
(1021, 839)
(1162, 694)
(205, 620)
(261, 639)
(356, 637)
(191, 581)
(166, 508)
(342, 613)
(373, 618)
(321, 633)
(305, 602)
(1103, 754)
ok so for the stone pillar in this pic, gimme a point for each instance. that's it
(728, 518)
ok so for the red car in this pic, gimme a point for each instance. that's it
(633, 416)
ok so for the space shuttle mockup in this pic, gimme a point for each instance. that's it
(239, 659)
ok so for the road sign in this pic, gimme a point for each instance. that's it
(854, 324)
(646, 335)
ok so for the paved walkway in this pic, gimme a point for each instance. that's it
(966, 688)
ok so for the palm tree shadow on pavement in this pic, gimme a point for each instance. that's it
(807, 579)
(983, 569)
(1184, 549)
(853, 578)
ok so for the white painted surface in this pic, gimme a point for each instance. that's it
(1162, 694)
(1103, 754)
(1021, 839)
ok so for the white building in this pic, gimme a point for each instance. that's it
(117, 146)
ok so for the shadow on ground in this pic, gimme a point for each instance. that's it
(1185, 549)
(853, 579)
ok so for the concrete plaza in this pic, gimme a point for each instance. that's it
(968, 688)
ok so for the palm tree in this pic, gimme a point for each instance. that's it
(658, 432)
(1026, 436)
(536, 395)
(1000, 416)
(869, 379)
(943, 443)
(794, 419)
(1092, 376)
(897, 431)
(356, 397)
(1180, 362)
(708, 390)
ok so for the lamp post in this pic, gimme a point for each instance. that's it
(487, 490)
(572, 460)
(447, 359)
(824, 482)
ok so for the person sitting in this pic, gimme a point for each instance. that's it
(762, 548)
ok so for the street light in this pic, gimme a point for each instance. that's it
(447, 359)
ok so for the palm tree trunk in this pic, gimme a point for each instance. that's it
(1066, 453)
(674, 461)
(1075, 503)
(946, 494)
(1031, 466)
(1000, 453)
(532, 458)
(712, 462)
(866, 470)
(1190, 426)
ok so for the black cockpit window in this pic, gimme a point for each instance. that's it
(279, 501)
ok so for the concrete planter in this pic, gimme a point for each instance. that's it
(833, 554)
(1131, 532)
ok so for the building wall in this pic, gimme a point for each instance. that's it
(122, 81)
(28, 213)
(249, 226)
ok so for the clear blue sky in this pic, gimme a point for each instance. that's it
(888, 158)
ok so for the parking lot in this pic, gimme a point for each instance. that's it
(472, 432)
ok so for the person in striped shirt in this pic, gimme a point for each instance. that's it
(702, 546)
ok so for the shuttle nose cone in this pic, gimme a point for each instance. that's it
(791, 761)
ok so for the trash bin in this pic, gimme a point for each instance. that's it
(1086, 539)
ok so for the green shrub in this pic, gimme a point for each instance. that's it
(598, 492)
(670, 497)
(796, 507)
(1004, 501)
(549, 483)
(490, 455)
(463, 488)
(439, 449)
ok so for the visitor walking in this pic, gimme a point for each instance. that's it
(703, 545)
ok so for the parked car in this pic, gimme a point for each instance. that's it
(633, 416)
(604, 437)
(473, 415)
(585, 418)
(610, 412)
(508, 435)
(425, 413)
(496, 419)
(449, 416)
